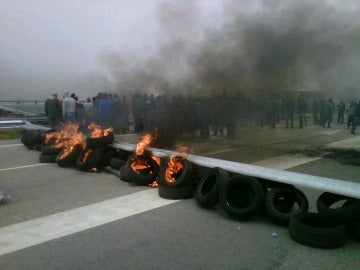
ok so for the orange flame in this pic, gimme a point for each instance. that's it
(93, 170)
(97, 132)
(71, 137)
(86, 155)
(156, 159)
(143, 144)
(154, 184)
(56, 135)
(140, 166)
(175, 164)
(174, 168)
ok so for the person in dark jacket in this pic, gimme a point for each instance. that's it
(341, 112)
(53, 111)
(356, 117)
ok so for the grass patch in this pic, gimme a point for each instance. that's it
(10, 134)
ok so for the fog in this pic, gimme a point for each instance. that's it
(197, 47)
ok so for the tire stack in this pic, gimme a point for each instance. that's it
(143, 177)
(49, 150)
(33, 139)
(330, 227)
(184, 185)
(91, 157)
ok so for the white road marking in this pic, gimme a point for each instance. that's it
(285, 161)
(352, 142)
(9, 145)
(329, 132)
(26, 234)
(23, 167)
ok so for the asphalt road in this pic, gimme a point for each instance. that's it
(176, 235)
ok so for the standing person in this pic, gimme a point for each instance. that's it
(53, 111)
(68, 106)
(341, 112)
(330, 111)
(315, 111)
(138, 110)
(105, 108)
(125, 112)
(88, 112)
(116, 113)
(350, 113)
(289, 111)
(323, 112)
(301, 107)
(356, 117)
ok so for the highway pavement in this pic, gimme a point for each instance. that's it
(62, 218)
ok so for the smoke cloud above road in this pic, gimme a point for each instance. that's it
(266, 47)
(189, 47)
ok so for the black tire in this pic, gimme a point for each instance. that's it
(116, 163)
(184, 179)
(47, 158)
(124, 174)
(123, 154)
(348, 213)
(200, 172)
(242, 197)
(353, 230)
(279, 210)
(93, 160)
(108, 154)
(70, 159)
(140, 179)
(311, 229)
(269, 184)
(102, 141)
(207, 191)
(38, 147)
(176, 193)
(48, 150)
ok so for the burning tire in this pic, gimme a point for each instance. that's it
(349, 212)
(311, 229)
(241, 197)
(48, 150)
(116, 163)
(279, 204)
(102, 141)
(47, 158)
(207, 191)
(144, 175)
(90, 159)
(176, 193)
(176, 177)
(69, 159)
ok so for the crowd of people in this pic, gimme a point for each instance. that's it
(192, 115)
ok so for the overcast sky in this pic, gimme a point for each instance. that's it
(53, 45)
(86, 46)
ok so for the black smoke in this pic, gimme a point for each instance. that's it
(276, 46)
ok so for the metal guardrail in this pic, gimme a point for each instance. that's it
(336, 186)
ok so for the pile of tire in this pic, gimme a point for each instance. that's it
(115, 158)
(91, 157)
(33, 139)
(182, 187)
(49, 150)
(143, 177)
(330, 227)
(283, 202)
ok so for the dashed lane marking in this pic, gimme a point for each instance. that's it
(10, 145)
(23, 167)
